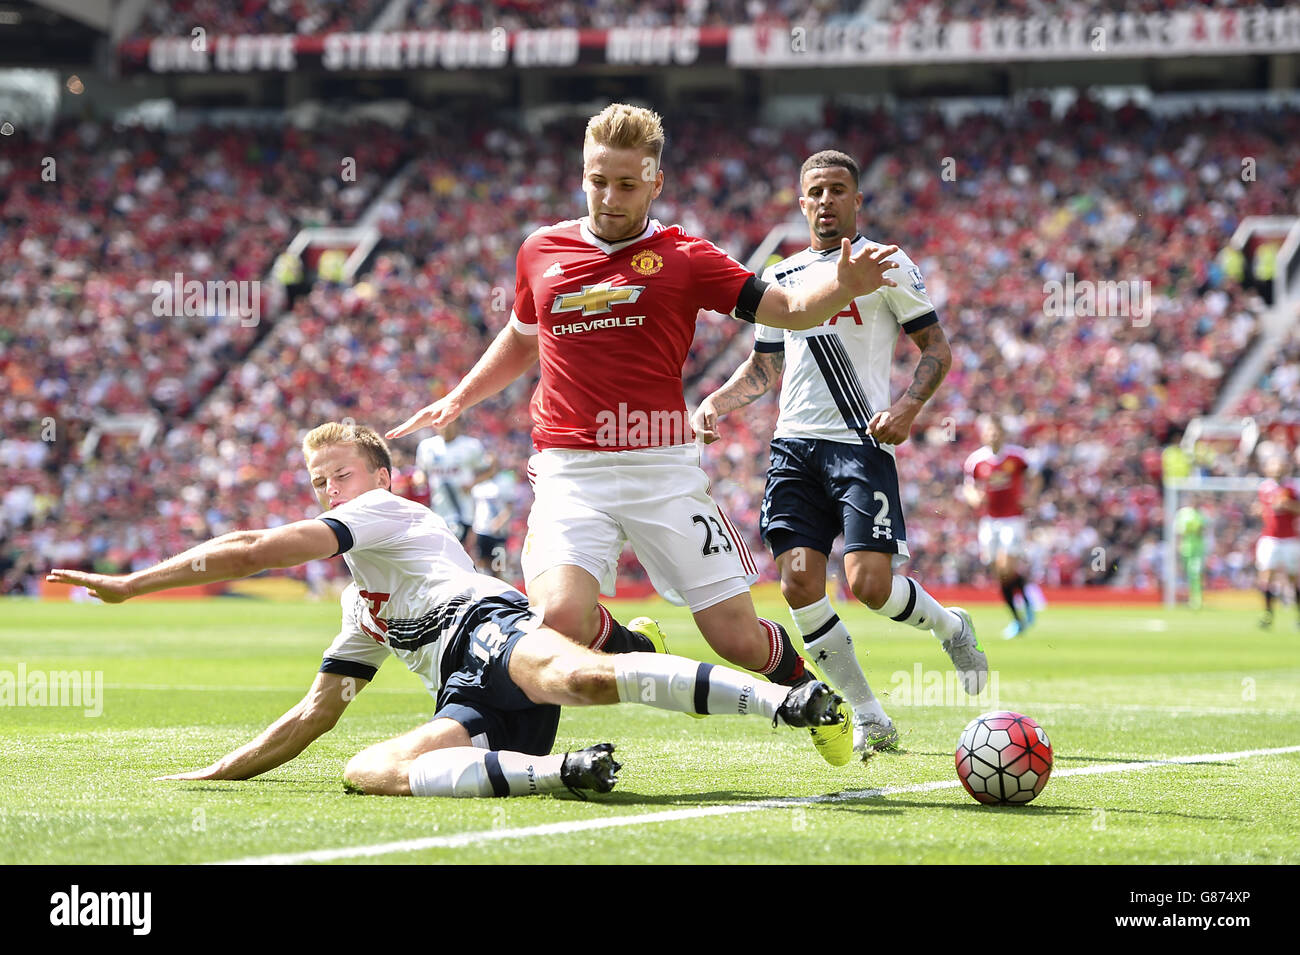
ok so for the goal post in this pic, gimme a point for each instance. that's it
(1175, 491)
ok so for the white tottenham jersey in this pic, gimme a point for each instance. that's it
(450, 468)
(489, 505)
(412, 585)
(837, 374)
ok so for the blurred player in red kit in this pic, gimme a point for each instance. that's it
(1277, 555)
(996, 479)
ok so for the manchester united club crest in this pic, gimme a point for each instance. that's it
(647, 262)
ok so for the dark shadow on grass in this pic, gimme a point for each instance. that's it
(1037, 808)
(856, 805)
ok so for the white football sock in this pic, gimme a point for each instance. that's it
(828, 647)
(469, 771)
(909, 603)
(675, 683)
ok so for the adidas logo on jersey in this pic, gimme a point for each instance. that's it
(553, 270)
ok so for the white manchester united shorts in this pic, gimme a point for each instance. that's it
(1001, 535)
(1278, 553)
(589, 503)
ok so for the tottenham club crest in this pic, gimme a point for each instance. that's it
(647, 262)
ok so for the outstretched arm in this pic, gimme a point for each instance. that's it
(753, 379)
(895, 425)
(311, 717)
(228, 557)
(510, 355)
(801, 308)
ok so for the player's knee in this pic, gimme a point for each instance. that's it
(358, 775)
(577, 623)
(375, 771)
(802, 589)
(871, 588)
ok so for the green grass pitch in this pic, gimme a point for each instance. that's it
(1114, 687)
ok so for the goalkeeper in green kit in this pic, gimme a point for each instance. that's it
(1189, 523)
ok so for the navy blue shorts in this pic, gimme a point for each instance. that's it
(479, 693)
(487, 548)
(817, 490)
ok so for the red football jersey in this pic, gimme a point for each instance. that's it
(614, 323)
(1278, 523)
(1002, 477)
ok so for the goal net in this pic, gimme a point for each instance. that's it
(1209, 470)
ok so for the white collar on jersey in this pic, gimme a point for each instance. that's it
(836, 247)
(609, 248)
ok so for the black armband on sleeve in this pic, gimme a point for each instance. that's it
(358, 671)
(341, 533)
(761, 347)
(920, 322)
(751, 293)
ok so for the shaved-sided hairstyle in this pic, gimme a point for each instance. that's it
(829, 159)
(371, 445)
(620, 126)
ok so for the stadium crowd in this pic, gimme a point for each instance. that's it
(307, 17)
(91, 220)
(1276, 396)
(1127, 196)
(314, 17)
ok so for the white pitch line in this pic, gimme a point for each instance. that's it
(673, 815)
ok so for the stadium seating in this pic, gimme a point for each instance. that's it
(1276, 396)
(79, 335)
(309, 17)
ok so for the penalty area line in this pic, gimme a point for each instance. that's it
(480, 837)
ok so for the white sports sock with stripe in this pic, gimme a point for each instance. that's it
(675, 683)
(909, 603)
(829, 649)
(469, 771)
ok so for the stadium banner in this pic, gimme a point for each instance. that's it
(1208, 32)
(1187, 33)
(428, 50)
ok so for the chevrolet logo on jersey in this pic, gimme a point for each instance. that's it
(596, 299)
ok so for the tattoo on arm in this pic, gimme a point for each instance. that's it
(936, 359)
(751, 381)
